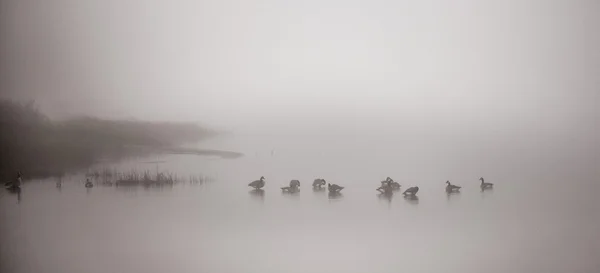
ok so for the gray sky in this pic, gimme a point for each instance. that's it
(309, 64)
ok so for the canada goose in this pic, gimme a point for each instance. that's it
(319, 182)
(16, 183)
(257, 184)
(452, 188)
(485, 185)
(411, 191)
(294, 186)
(385, 189)
(295, 183)
(88, 183)
(386, 181)
(386, 186)
(334, 188)
(19, 179)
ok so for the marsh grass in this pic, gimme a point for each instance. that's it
(107, 176)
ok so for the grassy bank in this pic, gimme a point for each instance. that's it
(38, 147)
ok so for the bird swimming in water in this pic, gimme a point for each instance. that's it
(385, 188)
(334, 188)
(295, 183)
(257, 184)
(485, 185)
(452, 188)
(319, 182)
(391, 183)
(16, 183)
(411, 191)
(293, 187)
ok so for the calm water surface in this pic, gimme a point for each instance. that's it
(541, 217)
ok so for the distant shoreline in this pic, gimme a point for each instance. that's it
(203, 152)
(179, 150)
(40, 147)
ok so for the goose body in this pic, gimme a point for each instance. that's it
(385, 188)
(452, 188)
(334, 187)
(16, 183)
(257, 184)
(88, 184)
(294, 186)
(411, 191)
(319, 182)
(485, 185)
(295, 183)
(386, 181)
(389, 182)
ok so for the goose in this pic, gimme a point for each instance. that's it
(385, 189)
(295, 183)
(334, 188)
(19, 179)
(16, 183)
(294, 186)
(88, 183)
(411, 191)
(386, 181)
(319, 182)
(452, 188)
(386, 186)
(257, 184)
(485, 185)
(390, 182)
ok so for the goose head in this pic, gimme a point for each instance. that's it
(448, 182)
(262, 178)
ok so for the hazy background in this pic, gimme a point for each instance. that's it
(331, 66)
(350, 91)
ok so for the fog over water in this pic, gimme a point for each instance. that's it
(349, 91)
(315, 64)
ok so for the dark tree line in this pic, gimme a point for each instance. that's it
(38, 146)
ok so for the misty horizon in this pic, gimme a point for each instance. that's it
(314, 136)
(509, 65)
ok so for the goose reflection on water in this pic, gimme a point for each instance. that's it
(16, 191)
(335, 195)
(449, 195)
(319, 189)
(412, 199)
(386, 196)
(258, 194)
